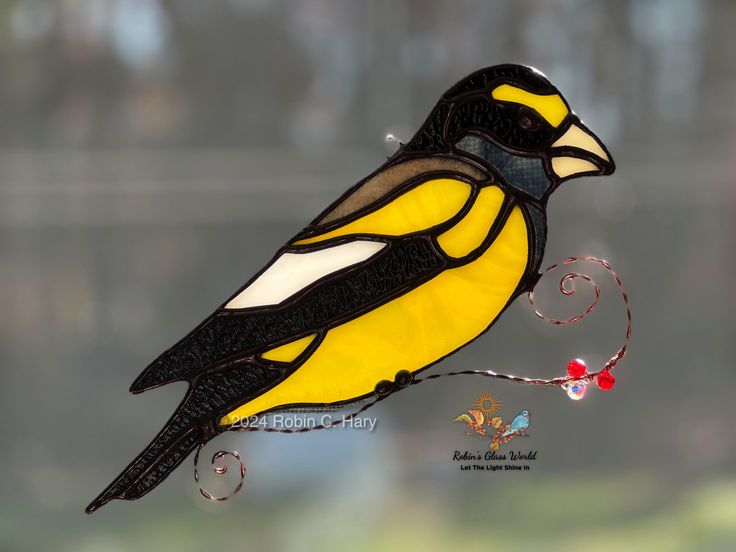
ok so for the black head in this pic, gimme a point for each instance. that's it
(512, 118)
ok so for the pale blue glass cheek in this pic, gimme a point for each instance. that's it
(526, 174)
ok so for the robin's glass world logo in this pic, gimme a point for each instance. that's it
(484, 421)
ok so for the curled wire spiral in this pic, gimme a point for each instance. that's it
(405, 379)
(567, 287)
(220, 467)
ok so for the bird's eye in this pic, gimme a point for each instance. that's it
(528, 120)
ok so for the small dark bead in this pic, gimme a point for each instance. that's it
(383, 388)
(403, 378)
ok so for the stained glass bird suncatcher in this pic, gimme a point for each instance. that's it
(414, 262)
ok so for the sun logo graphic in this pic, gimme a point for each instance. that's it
(483, 421)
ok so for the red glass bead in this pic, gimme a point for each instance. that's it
(577, 369)
(606, 381)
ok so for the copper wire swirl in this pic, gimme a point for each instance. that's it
(567, 288)
(219, 467)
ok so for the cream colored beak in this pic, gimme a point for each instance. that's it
(579, 152)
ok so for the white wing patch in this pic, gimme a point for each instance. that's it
(292, 272)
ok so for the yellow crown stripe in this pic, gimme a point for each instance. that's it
(549, 106)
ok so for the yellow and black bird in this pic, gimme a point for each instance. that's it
(412, 263)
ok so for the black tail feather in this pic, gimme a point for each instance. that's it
(217, 338)
(209, 398)
(152, 466)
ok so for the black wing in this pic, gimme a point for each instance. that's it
(231, 334)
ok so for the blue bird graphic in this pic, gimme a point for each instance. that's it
(520, 423)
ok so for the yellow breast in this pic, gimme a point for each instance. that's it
(407, 333)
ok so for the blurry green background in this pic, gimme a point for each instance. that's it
(154, 154)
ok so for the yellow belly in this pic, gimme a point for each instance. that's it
(408, 333)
